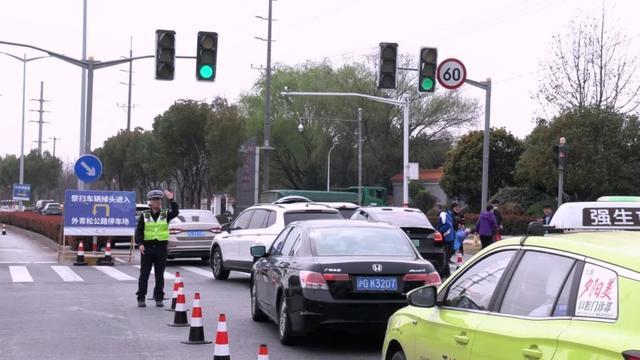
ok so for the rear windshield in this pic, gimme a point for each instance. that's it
(203, 216)
(346, 213)
(402, 218)
(360, 241)
(294, 216)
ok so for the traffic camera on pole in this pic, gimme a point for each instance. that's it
(207, 53)
(165, 54)
(427, 71)
(388, 68)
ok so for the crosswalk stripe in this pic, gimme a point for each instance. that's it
(66, 273)
(116, 274)
(167, 276)
(198, 271)
(20, 274)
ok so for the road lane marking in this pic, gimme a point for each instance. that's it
(167, 276)
(20, 274)
(28, 262)
(120, 260)
(66, 273)
(197, 270)
(116, 274)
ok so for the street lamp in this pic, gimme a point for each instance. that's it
(301, 129)
(335, 142)
(24, 61)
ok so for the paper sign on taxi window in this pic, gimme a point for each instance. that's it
(598, 293)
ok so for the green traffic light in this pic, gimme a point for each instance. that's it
(426, 84)
(206, 71)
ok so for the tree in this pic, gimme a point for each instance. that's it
(463, 170)
(590, 68)
(603, 158)
(300, 159)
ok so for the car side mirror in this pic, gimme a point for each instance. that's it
(258, 251)
(424, 297)
(225, 227)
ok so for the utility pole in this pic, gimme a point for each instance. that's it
(129, 84)
(54, 144)
(486, 86)
(40, 121)
(267, 99)
(360, 156)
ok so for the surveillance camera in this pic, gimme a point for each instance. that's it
(300, 127)
(286, 89)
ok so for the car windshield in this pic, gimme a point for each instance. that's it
(294, 216)
(401, 218)
(360, 241)
(196, 216)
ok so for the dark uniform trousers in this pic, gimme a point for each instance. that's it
(154, 255)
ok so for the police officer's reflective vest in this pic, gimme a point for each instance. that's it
(156, 230)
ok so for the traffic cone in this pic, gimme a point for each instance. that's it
(180, 315)
(459, 260)
(221, 350)
(177, 283)
(196, 332)
(108, 260)
(4, 229)
(263, 352)
(80, 257)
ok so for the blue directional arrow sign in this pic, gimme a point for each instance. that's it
(88, 168)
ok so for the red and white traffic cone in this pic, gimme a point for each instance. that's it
(263, 352)
(459, 260)
(108, 260)
(4, 229)
(177, 283)
(180, 315)
(221, 350)
(196, 332)
(80, 257)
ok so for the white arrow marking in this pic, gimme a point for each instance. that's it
(91, 171)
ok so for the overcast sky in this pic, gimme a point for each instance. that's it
(502, 39)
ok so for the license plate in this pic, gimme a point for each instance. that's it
(195, 233)
(416, 243)
(376, 284)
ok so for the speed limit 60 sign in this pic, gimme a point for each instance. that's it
(451, 73)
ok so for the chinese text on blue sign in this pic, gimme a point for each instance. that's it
(22, 192)
(104, 213)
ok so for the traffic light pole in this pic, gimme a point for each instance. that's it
(405, 143)
(486, 86)
(561, 165)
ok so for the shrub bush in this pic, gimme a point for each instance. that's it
(424, 201)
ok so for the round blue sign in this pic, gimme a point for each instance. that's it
(88, 168)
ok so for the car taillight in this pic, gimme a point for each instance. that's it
(437, 237)
(336, 277)
(175, 231)
(312, 280)
(631, 355)
(215, 230)
(430, 279)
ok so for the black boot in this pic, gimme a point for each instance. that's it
(142, 303)
(159, 303)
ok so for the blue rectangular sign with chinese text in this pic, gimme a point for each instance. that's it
(21, 192)
(99, 213)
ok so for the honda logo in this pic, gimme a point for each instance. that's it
(376, 267)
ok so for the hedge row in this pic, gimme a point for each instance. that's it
(511, 224)
(49, 226)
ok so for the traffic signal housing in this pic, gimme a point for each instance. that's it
(165, 54)
(560, 152)
(206, 55)
(427, 71)
(388, 68)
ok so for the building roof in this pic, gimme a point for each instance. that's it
(426, 175)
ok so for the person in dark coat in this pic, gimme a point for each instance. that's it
(486, 226)
(498, 215)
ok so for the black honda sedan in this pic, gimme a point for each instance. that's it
(326, 272)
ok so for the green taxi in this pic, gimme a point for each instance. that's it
(570, 292)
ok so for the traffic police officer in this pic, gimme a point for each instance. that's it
(152, 236)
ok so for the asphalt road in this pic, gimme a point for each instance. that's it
(58, 311)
